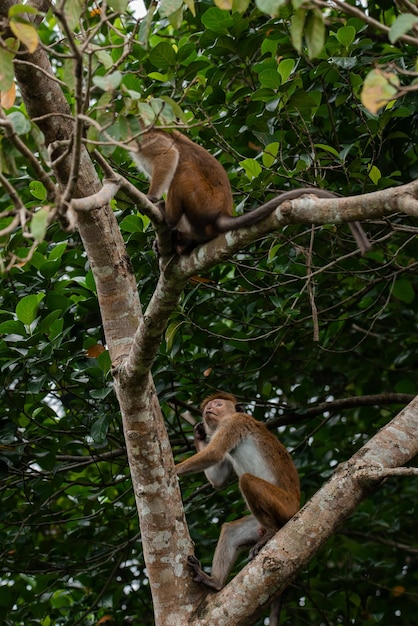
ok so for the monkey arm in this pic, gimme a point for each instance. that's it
(201, 461)
(218, 474)
(157, 156)
(212, 454)
(164, 167)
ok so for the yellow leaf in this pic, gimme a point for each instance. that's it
(26, 33)
(379, 89)
(7, 98)
(190, 5)
(225, 5)
(398, 590)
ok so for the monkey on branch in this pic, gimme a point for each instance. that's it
(228, 440)
(199, 204)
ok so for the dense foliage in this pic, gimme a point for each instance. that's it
(297, 320)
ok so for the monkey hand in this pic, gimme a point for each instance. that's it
(200, 432)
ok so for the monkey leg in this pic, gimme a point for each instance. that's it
(234, 537)
(271, 505)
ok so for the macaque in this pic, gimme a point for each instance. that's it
(230, 440)
(199, 202)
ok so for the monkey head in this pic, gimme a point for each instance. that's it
(217, 406)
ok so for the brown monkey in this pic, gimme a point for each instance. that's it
(230, 440)
(199, 202)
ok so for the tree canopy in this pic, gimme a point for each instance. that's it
(316, 339)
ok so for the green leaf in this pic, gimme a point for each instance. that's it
(55, 329)
(104, 57)
(167, 7)
(270, 153)
(269, 46)
(163, 56)
(6, 69)
(327, 148)
(374, 174)
(402, 25)
(217, 20)
(90, 282)
(58, 251)
(39, 223)
(118, 5)
(285, 68)
(109, 82)
(403, 290)
(158, 76)
(176, 18)
(19, 9)
(132, 224)
(37, 190)
(271, 7)
(270, 78)
(72, 11)
(251, 167)
(46, 324)
(99, 429)
(297, 25)
(12, 327)
(315, 33)
(27, 308)
(21, 124)
(346, 35)
(50, 268)
(104, 361)
(171, 333)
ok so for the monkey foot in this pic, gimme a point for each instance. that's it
(199, 576)
(268, 534)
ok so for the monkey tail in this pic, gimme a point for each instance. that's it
(225, 223)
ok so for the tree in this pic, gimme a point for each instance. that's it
(286, 314)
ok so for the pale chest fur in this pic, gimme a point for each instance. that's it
(143, 163)
(246, 457)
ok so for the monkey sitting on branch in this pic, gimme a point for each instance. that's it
(230, 440)
(199, 204)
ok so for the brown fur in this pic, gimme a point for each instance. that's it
(199, 203)
(230, 441)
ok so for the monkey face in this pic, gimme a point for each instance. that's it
(215, 411)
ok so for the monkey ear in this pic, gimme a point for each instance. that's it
(240, 408)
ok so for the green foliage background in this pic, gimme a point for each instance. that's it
(70, 545)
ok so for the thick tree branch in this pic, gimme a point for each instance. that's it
(164, 532)
(303, 210)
